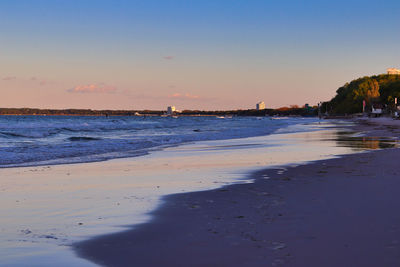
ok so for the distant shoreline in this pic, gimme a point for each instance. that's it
(297, 111)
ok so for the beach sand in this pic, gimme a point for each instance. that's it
(48, 208)
(336, 212)
(381, 126)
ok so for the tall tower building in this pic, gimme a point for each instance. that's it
(260, 105)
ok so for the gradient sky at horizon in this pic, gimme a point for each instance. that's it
(200, 54)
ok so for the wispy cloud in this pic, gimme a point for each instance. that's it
(37, 80)
(9, 78)
(183, 96)
(169, 57)
(93, 88)
(33, 80)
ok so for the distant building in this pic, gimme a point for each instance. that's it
(393, 71)
(260, 105)
(171, 110)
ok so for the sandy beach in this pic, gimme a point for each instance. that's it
(269, 200)
(51, 207)
(336, 212)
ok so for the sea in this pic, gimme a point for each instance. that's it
(49, 140)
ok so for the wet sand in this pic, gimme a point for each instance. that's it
(336, 212)
(382, 126)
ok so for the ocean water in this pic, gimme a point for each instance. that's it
(45, 140)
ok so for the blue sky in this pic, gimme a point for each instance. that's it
(194, 54)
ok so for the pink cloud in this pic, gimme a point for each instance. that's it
(169, 57)
(9, 78)
(93, 88)
(183, 96)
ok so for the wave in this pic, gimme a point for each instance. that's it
(39, 133)
(60, 140)
(12, 134)
(83, 138)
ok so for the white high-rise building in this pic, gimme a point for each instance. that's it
(171, 110)
(393, 71)
(260, 105)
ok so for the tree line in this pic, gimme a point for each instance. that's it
(378, 89)
(283, 111)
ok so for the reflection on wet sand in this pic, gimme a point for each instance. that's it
(348, 139)
(359, 143)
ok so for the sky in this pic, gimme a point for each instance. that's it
(203, 54)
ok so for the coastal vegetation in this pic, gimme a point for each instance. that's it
(283, 111)
(378, 89)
